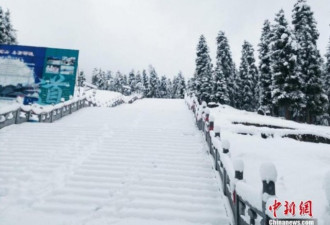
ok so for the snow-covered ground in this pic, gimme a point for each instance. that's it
(301, 166)
(141, 163)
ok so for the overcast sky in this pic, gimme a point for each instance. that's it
(131, 34)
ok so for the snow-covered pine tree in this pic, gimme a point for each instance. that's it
(224, 73)
(236, 82)
(221, 93)
(109, 81)
(10, 33)
(81, 79)
(163, 87)
(203, 71)
(175, 86)
(265, 74)
(3, 37)
(138, 83)
(248, 78)
(118, 82)
(326, 82)
(309, 61)
(95, 78)
(180, 86)
(169, 86)
(145, 81)
(153, 83)
(288, 99)
(131, 81)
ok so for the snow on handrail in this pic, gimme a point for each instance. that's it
(19, 113)
(242, 196)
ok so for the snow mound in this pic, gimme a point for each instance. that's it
(225, 144)
(268, 172)
(238, 165)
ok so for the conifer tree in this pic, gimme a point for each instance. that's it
(326, 84)
(131, 81)
(265, 76)
(153, 83)
(248, 78)
(138, 83)
(309, 60)
(203, 72)
(10, 33)
(224, 73)
(163, 87)
(180, 86)
(288, 99)
(3, 37)
(145, 81)
(81, 79)
(169, 86)
(117, 82)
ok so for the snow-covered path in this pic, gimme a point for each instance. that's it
(144, 163)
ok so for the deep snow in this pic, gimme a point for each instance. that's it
(141, 163)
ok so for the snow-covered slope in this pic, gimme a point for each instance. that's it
(141, 163)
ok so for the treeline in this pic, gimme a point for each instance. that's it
(149, 84)
(292, 80)
(7, 31)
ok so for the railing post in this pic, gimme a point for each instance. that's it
(207, 114)
(225, 146)
(225, 150)
(18, 112)
(268, 176)
(51, 116)
(211, 123)
(217, 131)
(239, 168)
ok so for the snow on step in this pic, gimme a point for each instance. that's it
(143, 163)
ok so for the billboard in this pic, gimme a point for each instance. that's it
(46, 74)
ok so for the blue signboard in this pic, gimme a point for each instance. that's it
(46, 74)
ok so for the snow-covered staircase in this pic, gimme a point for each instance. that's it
(144, 163)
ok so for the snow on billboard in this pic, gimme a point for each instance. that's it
(47, 74)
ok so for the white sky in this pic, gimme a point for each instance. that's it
(126, 34)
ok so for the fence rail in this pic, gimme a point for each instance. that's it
(247, 205)
(30, 114)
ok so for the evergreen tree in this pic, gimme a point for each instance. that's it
(309, 60)
(203, 73)
(175, 86)
(248, 78)
(138, 83)
(169, 86)
(131, 81)
(10, 33)
(286, 85)
(118, 82)
(265, 77)
(224, 73)
(180, 86)
(153, 83)
(163, 87)
(81, 79)
(326, 79)
(221, 93)
(109, 81)
(3, 37)
(145, 81)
